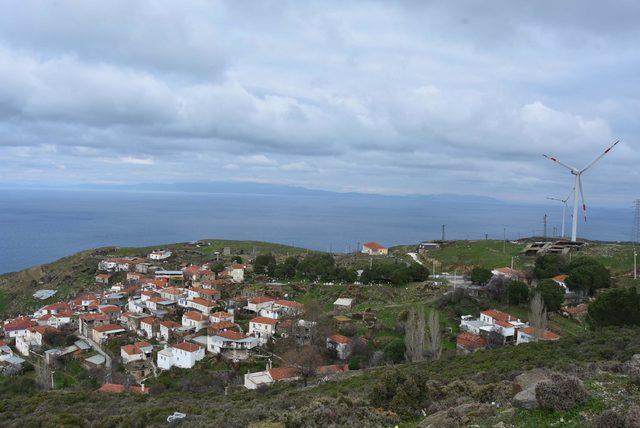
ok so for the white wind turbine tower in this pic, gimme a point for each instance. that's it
(578, 188)
(564, 209)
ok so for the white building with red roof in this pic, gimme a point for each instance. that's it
(103, 332)
(256, 304)
(221, 316)
(194, 320)
(137, 351)
(529, 334)
(184, 355)
(148, 327)
(166, 328)
(374, 249)
(263, 328)
(343, 345)
(203, 305)
(233, 344)
(269, 376)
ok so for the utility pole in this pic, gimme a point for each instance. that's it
(504, 239)
(544, 224)
(443, 234)
(486, 236)
(635, 236)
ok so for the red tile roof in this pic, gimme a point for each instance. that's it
(374, 246)
(19, 324)
(108, 327)
(223, 325)
(196, 316)
(338, 338)
(498, 315)
(560, 278)
(94, 317)
(471, 341)
(148, 320)
(170, 324)
(282, 373)
(231, 335)
(264, 320)
(112, 388)
(546, 334)
(188, 346)
(332, 369)
(222, 314)
(203, 302)
(289, 304)
(261, 299)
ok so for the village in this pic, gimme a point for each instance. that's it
(156, 315)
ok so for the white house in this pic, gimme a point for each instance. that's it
(103, 332)
(237, 343)
(509, 273)
(148, 327)
(221, 316)
(236, 272)
(33, 338)
(343, 303)
(203, 305)
(256, 304)
(527, 334)
(166, 328)
(342, 344)
(269, 376)
(136, 352)
(160, 255)
(183, 355)
(263, 328)
(171, 293)
(374, 249)
(52, 320)
(18, 326)
(203, 293)
(195, 320)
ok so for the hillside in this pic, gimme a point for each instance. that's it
(74, 274)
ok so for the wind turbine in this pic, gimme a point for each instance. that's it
(578, 188)
(564, 209)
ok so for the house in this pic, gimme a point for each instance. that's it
(256, 304)
(56, 321)
(236, 272)
(262, 328)
(203, 305)
(166, 328)
(217, 327)
(233, 344)
(18, 327)
(195, 320)
(148, 327)
(159, 255)
(509, 273)
(136, 352)
(560, 280)
(288, 307)
(159, 305)
(528, 334)
(183, 355)
(332, 369)
(343, 303)
(103, 278)
(374, 249)
(203, 293)
(342, 345)
(171, 293)
(33, 339)
(103, 332)
(221, 316)
(269, 376)
(87, 322)
(112, 311)
(467, 343)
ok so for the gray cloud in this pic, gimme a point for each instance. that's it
(412, 97)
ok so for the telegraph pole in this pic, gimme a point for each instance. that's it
(443, 234)
(544, 224)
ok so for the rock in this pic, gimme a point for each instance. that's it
(461, 415)
(525, 384)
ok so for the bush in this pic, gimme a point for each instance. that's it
(394, 350)
(552, 294)
(549, 265)
(517, 292)
(615, 307)
(587, 275)
(561, 392)
(480, 276)
(610, 419)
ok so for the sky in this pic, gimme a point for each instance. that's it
(414, 97)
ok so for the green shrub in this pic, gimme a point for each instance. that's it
(561, 392)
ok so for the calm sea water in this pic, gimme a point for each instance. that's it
(38, 226)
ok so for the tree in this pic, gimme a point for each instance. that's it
(306, 359)
(587, 275)
(549, 265)
(217, 267)
(264, 264)
(480, 276)
(552, 294)
(414, 335)
(615, 307)
(538, 316)
(418, 272)
(435, 335)
(236, 259)
(394, 350)
(318, 266)
(517, 292)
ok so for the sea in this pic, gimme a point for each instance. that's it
(39, 226)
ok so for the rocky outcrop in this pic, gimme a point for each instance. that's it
(525, 387)
(461, 415)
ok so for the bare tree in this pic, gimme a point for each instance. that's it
(43, 374)
(538, 316)
(435, 335)
(414, 336)
(306, 360)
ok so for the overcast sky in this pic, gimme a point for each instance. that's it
(385, 97)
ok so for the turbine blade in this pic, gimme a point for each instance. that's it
(584, 205)
(600, 157)
(551, 158)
